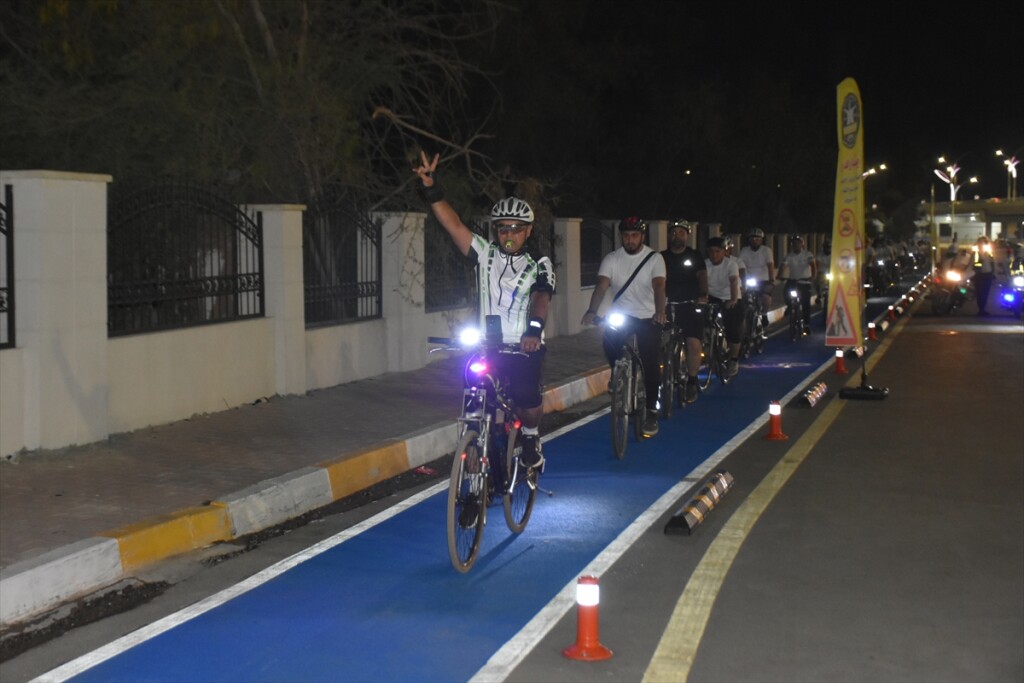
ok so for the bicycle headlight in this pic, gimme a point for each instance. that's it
(616, 319)
(751, 282)
(1018, 280)
(953, 276)
(881, 263)
(794, 294)
(828, 276)
(469, 336)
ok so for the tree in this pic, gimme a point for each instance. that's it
(272, 98)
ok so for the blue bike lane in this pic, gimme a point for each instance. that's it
(382, 602)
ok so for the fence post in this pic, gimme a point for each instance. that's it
(284, 293)
(61, 285)
(402, 279)
(569, 301)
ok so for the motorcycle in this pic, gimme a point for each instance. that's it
(949, 291)
(1011, 296)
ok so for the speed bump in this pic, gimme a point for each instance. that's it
(694, 512)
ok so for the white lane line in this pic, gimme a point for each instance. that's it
(506, 659)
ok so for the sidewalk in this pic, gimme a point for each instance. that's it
(76, 519)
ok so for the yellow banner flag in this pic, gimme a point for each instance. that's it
(846, 295)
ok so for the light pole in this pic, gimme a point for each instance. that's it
(1011, 172)
(949, 177)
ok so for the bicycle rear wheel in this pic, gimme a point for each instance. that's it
(639, 399)
(520, 487)
(619, 408)
(467, 503)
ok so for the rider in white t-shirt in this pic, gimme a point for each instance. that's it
(642, 301)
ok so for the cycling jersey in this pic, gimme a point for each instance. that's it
(505, 282)
(757, 262)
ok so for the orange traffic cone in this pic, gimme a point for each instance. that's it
(840, 363)
(872, 333)
(588, 645)
(775, 423)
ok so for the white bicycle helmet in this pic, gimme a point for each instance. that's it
(756, 232)
(512, 208)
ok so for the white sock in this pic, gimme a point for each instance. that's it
(530, 431)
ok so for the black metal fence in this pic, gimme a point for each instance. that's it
(7, 270)
(180, 256)
(341, 265)
(448, 280)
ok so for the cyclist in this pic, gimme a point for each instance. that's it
(824, 260)
(515, 284)
(730, 246)
(686, 286)
(802, 269)
(638, 274)
(724, 289)
(760, 264)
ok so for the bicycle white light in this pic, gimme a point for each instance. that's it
(1018, 280)
(1009, 297)
(828, 276)
(881, 263)
(953, 276)
(616, 319)
(751, 282)
(793, 293)
(469, 336)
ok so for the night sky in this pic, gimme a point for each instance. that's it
(934, 79)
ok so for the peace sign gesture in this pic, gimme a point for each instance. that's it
(426, 169)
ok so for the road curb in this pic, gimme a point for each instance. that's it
(36, 585)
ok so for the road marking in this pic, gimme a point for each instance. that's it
(677, 648)
(978, 329)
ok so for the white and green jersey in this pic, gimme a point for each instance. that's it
(505, 282)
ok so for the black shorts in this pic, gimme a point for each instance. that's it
(522, 376)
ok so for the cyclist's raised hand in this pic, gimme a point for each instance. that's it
(426, 169)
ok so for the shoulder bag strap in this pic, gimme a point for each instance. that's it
(630, 280)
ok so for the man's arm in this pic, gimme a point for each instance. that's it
(659, 300)
(771, 269)
(596, 297)
(539, 301)
(442, 210)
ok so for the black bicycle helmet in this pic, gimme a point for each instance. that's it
(632, 224)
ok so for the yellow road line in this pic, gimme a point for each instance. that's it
(678, 645)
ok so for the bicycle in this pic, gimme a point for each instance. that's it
(796, 290)
(716, 347)
(754, 332)
(628, 394)
(487, 457)
(672, 392)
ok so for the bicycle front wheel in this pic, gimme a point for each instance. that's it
(707, 362)
(666, 396)
(639, 399)
(620, 407)
(467, 503)
(520, 487)
(681, 376)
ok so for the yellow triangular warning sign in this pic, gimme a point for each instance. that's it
(839, 329)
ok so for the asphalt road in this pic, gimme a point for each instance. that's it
(883, 540)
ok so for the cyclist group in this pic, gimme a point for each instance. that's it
(658, 292)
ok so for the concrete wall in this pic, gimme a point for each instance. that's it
(67, 383)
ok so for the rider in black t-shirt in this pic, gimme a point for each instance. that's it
(686, 287)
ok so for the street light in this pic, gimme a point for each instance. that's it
(949, 177)
(874, 170)
(1011, 172)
